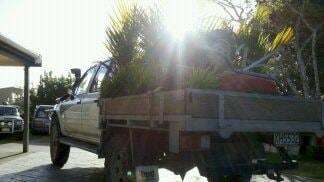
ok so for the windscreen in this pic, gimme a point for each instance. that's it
(8, 111)
(41, 112)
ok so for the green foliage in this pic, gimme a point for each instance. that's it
(281, 16)
(144, 55)
(50, 87)
(122, 33)
(282, 38)
(198, 77)
(308, 168)
(136, 78)
(138, 41)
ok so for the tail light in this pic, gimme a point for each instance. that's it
(194, 142)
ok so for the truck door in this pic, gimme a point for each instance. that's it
(90, 108)
(71, 110)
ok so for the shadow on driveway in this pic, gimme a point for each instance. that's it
(52, 173)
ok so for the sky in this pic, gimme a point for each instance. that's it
(66, 33)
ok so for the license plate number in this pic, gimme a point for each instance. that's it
(5, 129)
(284, 138)
(147, 174)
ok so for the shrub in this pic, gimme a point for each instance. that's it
(198, 77)
(135, 78)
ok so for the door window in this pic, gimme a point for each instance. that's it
(85, 81)
(95, 87)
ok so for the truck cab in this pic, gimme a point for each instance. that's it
(79, 112)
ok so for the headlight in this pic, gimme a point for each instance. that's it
(9, 123)
(2, 123)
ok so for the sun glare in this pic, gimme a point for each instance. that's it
(185, 16)
(181, 16)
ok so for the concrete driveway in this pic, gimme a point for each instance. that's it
(82, 166)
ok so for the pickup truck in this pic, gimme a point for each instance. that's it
(223, 133)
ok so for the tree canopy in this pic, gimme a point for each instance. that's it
(50, 88)
(296, 27)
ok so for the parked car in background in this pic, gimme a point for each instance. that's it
(10, 121)
(40, 121)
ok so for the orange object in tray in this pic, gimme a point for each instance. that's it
(247, 83)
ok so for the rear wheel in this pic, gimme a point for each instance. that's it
(236, 178)
(118, 163)
(59, 151)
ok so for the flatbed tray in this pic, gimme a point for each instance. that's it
(212, 110)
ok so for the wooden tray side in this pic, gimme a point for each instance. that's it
(171, 104)
(248, 108)
(202, 105)
(166, 103)
(126, 106)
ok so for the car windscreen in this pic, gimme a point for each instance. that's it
(41, 112)
(8, 111)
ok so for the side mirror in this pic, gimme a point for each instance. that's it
(76, 72)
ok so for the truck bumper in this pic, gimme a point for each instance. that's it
(12, 129)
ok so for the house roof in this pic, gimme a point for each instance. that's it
(12, 54)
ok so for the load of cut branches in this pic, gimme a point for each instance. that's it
(145, 56)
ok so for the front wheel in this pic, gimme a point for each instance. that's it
(118, 163)
(59, 151)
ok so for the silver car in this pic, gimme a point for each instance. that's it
(10, 121)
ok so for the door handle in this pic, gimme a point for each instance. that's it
(78, 101)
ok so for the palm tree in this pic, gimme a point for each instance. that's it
(137, 38)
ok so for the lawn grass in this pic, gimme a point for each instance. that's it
(309, 168)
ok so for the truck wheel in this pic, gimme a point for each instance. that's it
(59, 151)
(217, 179)
(241, 178)
(119, 161)
(237, 178)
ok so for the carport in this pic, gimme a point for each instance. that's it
(12, 54)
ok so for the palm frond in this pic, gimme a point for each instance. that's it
(282, 38)
(122, 33)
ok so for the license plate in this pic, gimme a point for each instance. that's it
(285, 138)
(147, 173)
(5, 129)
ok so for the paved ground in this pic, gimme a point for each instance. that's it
(81, 167)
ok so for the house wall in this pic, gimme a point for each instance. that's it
(10, 94)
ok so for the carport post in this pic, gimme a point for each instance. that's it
(26, 111)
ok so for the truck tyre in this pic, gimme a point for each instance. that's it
(241, 178)
(59, 151)
(118, 162)
(237, 178)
